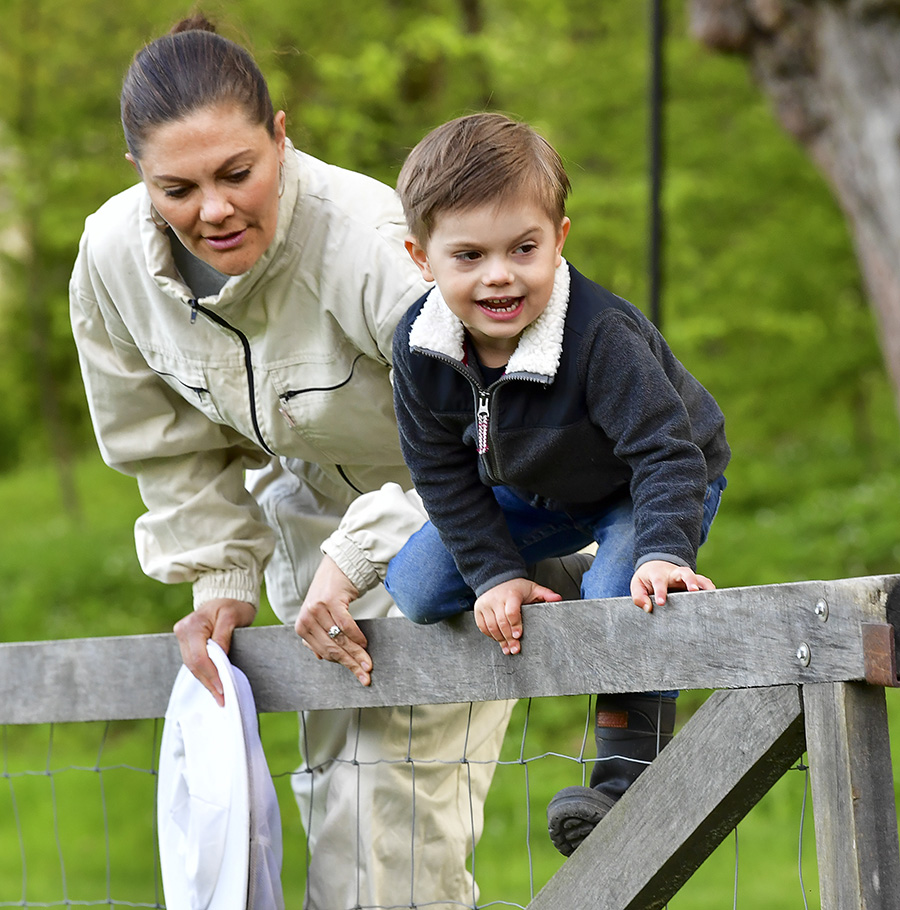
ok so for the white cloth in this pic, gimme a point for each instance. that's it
(219, 823)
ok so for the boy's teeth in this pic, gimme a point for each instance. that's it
(499, 305)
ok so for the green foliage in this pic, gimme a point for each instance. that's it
(77, 578)
(70, 580)
(762, 295)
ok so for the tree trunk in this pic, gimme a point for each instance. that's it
(27, 124)
(832, 70)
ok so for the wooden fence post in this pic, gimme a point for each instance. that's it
(853, 796)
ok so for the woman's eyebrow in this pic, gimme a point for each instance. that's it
(227, 163)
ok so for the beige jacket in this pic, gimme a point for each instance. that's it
(291, 359)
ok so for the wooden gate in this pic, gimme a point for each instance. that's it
(800, 667)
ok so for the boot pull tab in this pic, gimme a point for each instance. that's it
(617, 720)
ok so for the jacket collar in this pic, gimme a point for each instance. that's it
(438, 330)
(158, 250)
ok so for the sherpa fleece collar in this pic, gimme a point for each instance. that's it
(539, 349)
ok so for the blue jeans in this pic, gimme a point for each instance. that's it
(427, 587)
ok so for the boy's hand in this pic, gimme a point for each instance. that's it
(658, 577)
(498, 612)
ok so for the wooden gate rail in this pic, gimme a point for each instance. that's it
(721, 763)
(807, 632)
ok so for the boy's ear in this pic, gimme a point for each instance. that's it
(561, 235)
(419, 257)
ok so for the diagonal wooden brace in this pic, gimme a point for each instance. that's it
(734, 748)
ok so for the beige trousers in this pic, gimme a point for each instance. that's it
(383, 830)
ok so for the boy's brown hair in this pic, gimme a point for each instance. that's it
(479, 159)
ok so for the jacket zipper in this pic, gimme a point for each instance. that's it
(482, 419)
(285, 397)
(347, 480)
(248, 364)
(198, 390)
(293, 393)
(483, 398)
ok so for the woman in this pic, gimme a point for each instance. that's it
(233, 311)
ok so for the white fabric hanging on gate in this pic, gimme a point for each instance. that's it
(219, 823)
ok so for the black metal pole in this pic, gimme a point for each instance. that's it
(656, 158)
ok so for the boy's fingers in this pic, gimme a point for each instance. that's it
(503, 624)
(694, 582)
(490, 622)
(639, 595)
(660, 590)
(540, 594)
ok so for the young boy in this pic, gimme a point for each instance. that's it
(539, 413)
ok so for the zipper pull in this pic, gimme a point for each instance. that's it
(194, 307)
(287, 417)
(482, 415)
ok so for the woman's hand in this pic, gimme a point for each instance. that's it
(215, 619)
(327, 606)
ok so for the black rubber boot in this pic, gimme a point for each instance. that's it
(630, 731)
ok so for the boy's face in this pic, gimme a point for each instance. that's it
(494, 266)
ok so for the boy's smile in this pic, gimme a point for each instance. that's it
(495, 266)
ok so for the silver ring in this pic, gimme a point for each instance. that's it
(333, 632)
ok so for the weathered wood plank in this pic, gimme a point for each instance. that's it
(739, 637)
(113, 678)
(715, 770)
(853, 796)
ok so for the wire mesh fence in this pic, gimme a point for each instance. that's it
(78, 815)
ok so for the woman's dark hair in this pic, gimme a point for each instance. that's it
(188, 69)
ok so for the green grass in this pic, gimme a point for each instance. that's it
(67, 788)
(68, 579)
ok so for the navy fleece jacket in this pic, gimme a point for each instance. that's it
(593, 406)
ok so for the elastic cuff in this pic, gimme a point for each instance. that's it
(666, 557)
(352, 561)
(237, 584)
(499, 579)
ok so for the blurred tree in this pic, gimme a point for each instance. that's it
(60, 142)
(832, 71)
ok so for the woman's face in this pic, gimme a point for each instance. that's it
(214, 177)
